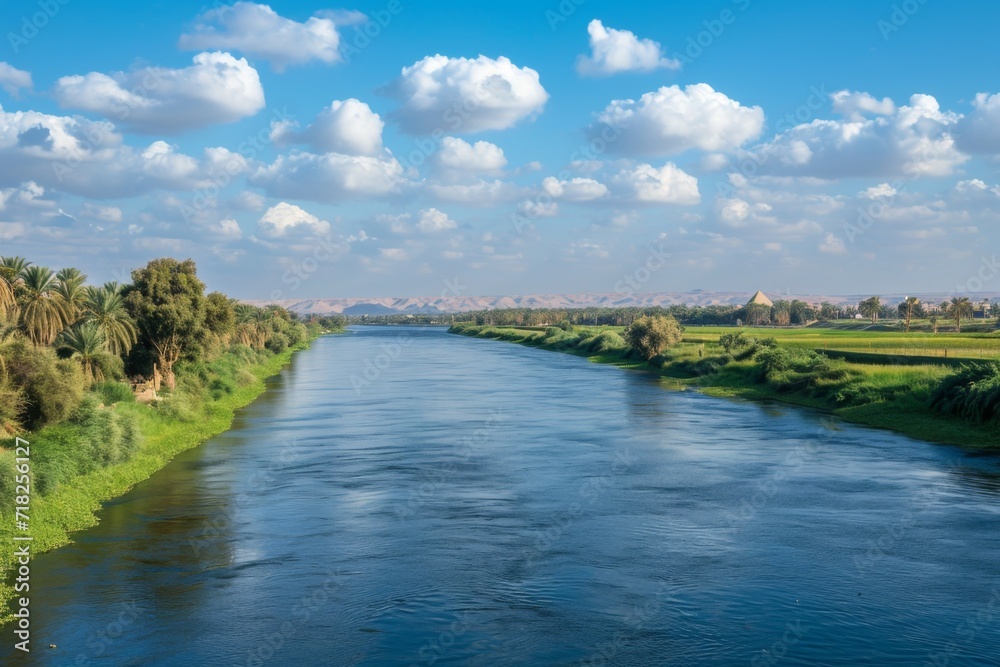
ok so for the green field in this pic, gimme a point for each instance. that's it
(884, 379)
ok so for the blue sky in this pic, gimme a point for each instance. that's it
(515, 147)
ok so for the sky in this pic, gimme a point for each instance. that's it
(415, 148)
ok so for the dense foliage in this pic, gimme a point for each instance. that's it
(70, 354)
(650, 336)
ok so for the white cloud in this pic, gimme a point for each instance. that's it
(915, 141)
(857, 106)
(480, 193)
(979, 132)
(248, 200)
(349, 127)
(433, 220)
(575, 190)
(671, 120)
(87, 158)
(614, 51)
(666, 185)
(217, 88)
(394, 254)
(13, 80)
(538, 209)
(832, 245)
(258, 31)
(460, 156)
(329, 177)
(464, 95)
(283, 218)
(111, 214)
(229, 228)
(881, 191)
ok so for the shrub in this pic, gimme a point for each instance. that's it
(114, 392)
(972, 392)
(651, 335)
(52, 388)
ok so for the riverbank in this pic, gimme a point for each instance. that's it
(888, 396)
(204, 406)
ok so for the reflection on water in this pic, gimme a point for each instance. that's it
(476, 502)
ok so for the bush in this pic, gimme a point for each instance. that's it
(52, 388)
(972, 392)
(114, 392)
(795, 369)
(650, 336)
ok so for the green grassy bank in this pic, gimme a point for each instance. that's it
(888, 395)
(69, 485)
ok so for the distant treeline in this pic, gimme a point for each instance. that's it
(781, 313)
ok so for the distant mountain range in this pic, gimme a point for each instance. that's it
(418, 305)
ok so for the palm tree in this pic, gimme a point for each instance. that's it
(870, 308)
(907, 307)
(252, 325)
(105, 308)
(44, 313)
(960, 307)
(71, 289)
(15, 264)
(8, 302)
(86, 344)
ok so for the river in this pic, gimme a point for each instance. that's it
(402, 496)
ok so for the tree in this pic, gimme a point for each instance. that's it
(106, 308)
(959, 307)
(651, 335)
(907, 308)
(8, 299)
(44, 313)
(85, 343)
(870, 308)
(220, 316)
(167, 302)
(70, 287)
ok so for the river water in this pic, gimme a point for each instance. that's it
(402, 496)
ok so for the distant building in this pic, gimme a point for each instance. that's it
(759, 299)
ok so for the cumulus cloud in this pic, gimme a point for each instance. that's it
(672, 120)
(433, 220)
(13, 80)
(464, 95)
(857, 106)
(217, 88)
(258, 31)
(574, 190)
(460, 156)
(330, 177)
(880, 191)
(538, 209)
(915, 141)
(228, 228)
(614, 51)
(667, 185)
(111, 214)
(481, 193)
(349, 127)
(88, 158)
(283, 218)
(979, 132)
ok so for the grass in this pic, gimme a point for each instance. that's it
(74, 503)
(893, 395)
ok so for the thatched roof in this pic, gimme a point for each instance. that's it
(759, 298)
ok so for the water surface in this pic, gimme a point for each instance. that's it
(402, 496)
